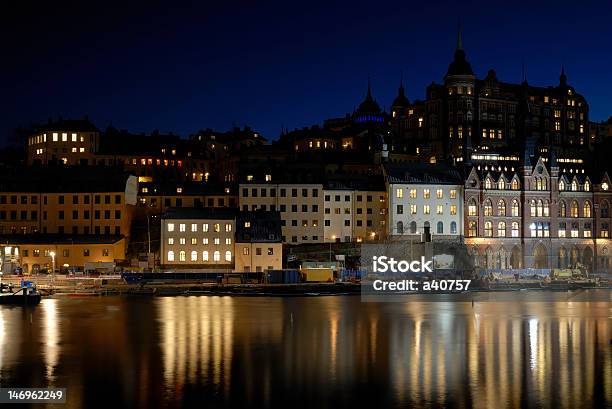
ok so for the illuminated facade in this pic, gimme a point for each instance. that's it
(540, 215)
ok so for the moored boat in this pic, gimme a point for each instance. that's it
(26, 295)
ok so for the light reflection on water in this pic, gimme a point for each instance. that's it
(310, 352)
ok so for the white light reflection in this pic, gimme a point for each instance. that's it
(533, 342)
(51, 338)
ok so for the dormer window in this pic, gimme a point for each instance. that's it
(574, 186)
(604, 186)
(501, 184)
(587, 186)
(561, 185)
(488, 184)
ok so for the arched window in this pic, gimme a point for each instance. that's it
(488, 208)
(538, 184)
(400, 228)
(561, 185)
(217, 256)
(501, 229)
(544, 184)
(472, 208)
(182, 256)
(205, 255)
(488, 229)
(574, 185)
(540, 211)
(228, 255)
(472, 228)
(586, 209)
(515, 184)
(488, 183)
(501, 207)
(502, 183)
(194, 255)
(574, 209)
(587, 186)
(440, 228)
(532, 208)
(453, 228)
(515, 229)
(546, 208)
(605, 212)
(515, 208)
(171, 255)
(562, 209)
(413, 227)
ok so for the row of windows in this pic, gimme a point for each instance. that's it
(264, 192)
(178, 202)
(426, 209)
(399, 193)
(194, 241)
(65, 253)
(194, 227)
(62, 230)
(502, 184)
(55, 137)
(315, 223)
(182, 256)
(61, 199)
(413, 227)
(61, 215)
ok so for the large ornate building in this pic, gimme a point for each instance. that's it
(541, 215)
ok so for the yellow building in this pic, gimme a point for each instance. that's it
(58, 200)
(43, 252)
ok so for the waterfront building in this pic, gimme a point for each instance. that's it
(332, 209)
(259, 244)
(198, 238)
(547, 213)
(58, 200)
(35, 253)
(424, 196)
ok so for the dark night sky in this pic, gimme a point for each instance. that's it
(145, 67)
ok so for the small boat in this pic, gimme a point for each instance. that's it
(27, 295)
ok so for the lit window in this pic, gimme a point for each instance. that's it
(399, 193)
(217, 228)
(194, 255)
(453, 194)
(217, 256)
(64, 137)
(425, 209)
(170, 240)
(182, 227)
(74, 137)
(425, 193)
(228, 227)
(170, 255)
(228, 241)
(439, 193)
(205, 227)
(413, 193)
(515, 229)
(453, 210)
(170, 226)
(228, 255)
(55, 136)
(182, 256)
(439, 209)
(194, 227)
(501, 229)
(488, 229)
(205, 255)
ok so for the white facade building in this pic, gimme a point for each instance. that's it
(424, 196)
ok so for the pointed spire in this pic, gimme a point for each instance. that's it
(563, 77)
(459, 40)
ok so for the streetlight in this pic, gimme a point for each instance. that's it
(52, 254)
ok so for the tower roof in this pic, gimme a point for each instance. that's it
(460, 64)
(401, 100)
(369, 105)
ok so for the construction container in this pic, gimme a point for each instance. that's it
(318, 275)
